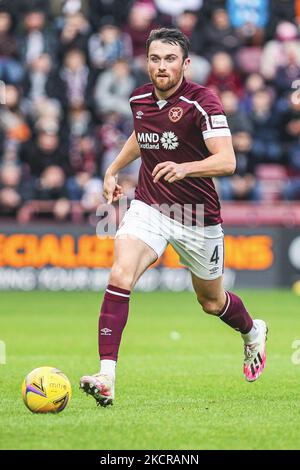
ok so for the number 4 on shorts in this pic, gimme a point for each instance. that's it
(215, 256)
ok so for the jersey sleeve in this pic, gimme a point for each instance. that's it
(210, 117)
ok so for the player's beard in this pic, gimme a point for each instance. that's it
(166, 84)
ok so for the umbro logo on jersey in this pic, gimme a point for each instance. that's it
(106, 332)
(153, 141)
(139, 114)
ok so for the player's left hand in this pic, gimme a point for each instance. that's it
(170, 170)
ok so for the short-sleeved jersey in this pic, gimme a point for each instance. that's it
(175, 130)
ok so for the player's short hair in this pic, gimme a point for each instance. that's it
(170, 36)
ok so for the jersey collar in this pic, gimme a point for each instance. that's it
(172, 98)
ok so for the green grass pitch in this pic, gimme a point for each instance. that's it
(184, 393)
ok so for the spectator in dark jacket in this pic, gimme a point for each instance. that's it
(287, 74)
(42, 80)
(290, 119)
(46, 150)
(14, 189)
(242, 186)
(36, 38)
(237, 119)
(11, 70)
(290, 136)
(75, 33)
(83, 148)
(254, 82)
(266, 143)
(77, 78)
(219, 35)
(51, 186)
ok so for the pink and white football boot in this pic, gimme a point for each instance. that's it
(99, 386)
(255, 353)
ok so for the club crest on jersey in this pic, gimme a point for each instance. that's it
(175, 114)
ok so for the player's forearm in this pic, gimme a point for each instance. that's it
(128, 154)
(219, 164)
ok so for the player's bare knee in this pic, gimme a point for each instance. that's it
(212, 307)
(121, 276)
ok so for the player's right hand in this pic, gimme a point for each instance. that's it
(111, 190)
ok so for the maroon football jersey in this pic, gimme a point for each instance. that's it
(175, 130)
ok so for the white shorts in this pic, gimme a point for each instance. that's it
(200, 249)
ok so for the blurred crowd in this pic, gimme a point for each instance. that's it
(67, 68)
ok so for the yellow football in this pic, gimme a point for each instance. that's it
(46, 390)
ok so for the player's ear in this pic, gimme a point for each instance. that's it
(186, 63)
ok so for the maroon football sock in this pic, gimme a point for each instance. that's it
(235, 315)
(112, 321)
